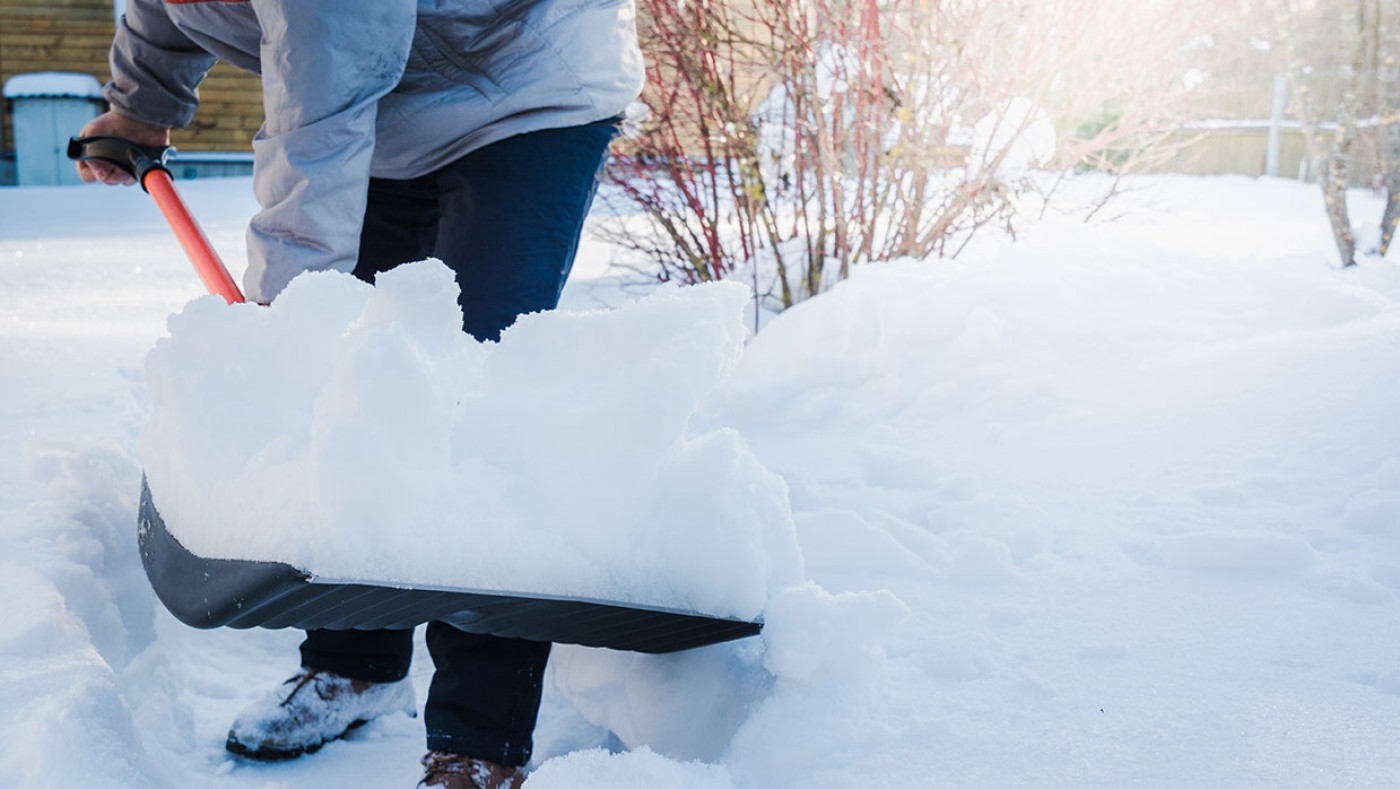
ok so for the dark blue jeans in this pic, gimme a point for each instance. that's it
(507, 219)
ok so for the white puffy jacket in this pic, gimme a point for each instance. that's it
(390, 88)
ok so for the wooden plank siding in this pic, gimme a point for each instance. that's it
(75, 35)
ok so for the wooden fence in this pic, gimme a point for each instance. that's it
(1241, 148)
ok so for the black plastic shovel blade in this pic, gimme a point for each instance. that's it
(208, 593)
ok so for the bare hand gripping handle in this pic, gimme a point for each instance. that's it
(146, 164)
(135, 159)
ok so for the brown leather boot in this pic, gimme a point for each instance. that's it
(454, 771)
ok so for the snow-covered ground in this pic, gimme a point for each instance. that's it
(1117, 504)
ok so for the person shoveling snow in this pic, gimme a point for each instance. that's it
(393, 135)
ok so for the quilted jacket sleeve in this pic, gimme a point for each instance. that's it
(156, 69)
(325, 65)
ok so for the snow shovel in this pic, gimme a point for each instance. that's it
(210, 592)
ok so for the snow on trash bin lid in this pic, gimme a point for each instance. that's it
(53, 83)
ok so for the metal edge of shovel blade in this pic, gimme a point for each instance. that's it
(209, 593)
(206, 593)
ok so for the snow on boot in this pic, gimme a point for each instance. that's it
(454, 771)
(319, 707)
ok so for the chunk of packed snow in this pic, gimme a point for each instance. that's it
(358, 433)
(598, 769)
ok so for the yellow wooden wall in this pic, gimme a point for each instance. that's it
(74, 35)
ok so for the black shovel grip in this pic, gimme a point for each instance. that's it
(133, 158)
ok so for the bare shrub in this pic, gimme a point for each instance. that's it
(787, 143)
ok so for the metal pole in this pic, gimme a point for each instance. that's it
(1271, 158)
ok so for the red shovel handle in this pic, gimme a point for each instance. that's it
(201, 253)
(147, 165)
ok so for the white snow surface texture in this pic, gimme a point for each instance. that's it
(360, 434)
(1114, 504)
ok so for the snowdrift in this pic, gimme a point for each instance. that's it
(1113, 505)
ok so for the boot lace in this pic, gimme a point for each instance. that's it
(325, 690)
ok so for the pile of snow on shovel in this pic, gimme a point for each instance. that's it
(356, 432)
